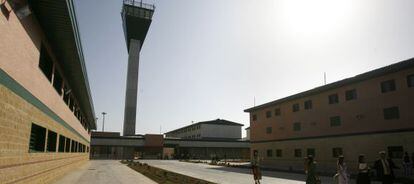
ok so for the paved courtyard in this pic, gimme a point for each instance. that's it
(226, 175)
(104, 172)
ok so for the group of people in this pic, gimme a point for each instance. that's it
(384, 168)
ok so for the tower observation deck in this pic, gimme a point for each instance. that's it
(136, 18)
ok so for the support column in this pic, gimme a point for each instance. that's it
(131, 88)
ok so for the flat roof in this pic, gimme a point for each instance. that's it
(406, 64)
(58, 21)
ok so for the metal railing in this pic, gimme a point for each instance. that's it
(139, 3)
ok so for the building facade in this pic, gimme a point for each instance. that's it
(365, 114)
(214, 129)
(46, 110)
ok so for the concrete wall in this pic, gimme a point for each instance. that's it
(30, 98)
(220, 131)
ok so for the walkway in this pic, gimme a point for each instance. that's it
(104, 172)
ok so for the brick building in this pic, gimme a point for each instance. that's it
(46, 110)
(359, 115)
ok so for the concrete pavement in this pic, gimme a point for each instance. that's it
(104, 172)
(228, 175)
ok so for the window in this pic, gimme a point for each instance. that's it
(278, 153)
(335, 121)
(387, 86)
(254, 117)
(295, 107)
(61, 143)
(395, 152)
(45, 63)
(51, 141)
(72, 146)
(350, 95)
(296, 126)
(269, 153)
(298, 153)
(67, 145)
(310, 151)
(391, 113)
(269, 130)
(57, 82)
(410, 81)
(333, 99)
(336, 152)
(308, 104)
(268, 114)
(37, 138)
(277, 112)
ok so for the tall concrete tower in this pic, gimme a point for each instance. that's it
(136, 17)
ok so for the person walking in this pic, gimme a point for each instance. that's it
(257, 175)
(406, 164)
(363, 171)
(342, 170)
(385, 168)
(311, 176)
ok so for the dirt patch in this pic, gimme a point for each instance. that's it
(163, 176)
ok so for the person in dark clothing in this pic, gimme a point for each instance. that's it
(406, 164)
(385, 168)
(363, 171)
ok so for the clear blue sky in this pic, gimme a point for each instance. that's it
(208, 59)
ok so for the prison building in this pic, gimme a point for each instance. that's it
(214, 129)
(46, 111)
(364, 114)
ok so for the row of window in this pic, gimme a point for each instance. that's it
(393, 152)
(386, 86)
(49, 69)
(185, 130)
(335, 121)
(43, 140)
(192, 136)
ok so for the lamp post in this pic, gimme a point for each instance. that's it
(103, 120)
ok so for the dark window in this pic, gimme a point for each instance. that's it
(254, 117)
(87, 149)
(61, 143)
(298, 153)
(333, 99)
(395, 151)
(51, 141)
(388, 86)
(311, 151)
(57, 82)
(37, 138)
(67, 145)
(45, 63)
(269, 130)
(268, 114)
(277, 112)
(391, 113)
(297, 126)
(279, 153)
(410, 80)
(350, 95)
(72, 147)
(336, 152)
(308, 104)
(269, 153)
(335, 121)
(295, 107)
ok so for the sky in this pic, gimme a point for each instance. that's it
(209, 59)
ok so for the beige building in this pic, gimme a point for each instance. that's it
(46, 110)
(214, 129)
(364, 114)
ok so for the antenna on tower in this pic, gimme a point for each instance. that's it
(324, 78)
(254, 101)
